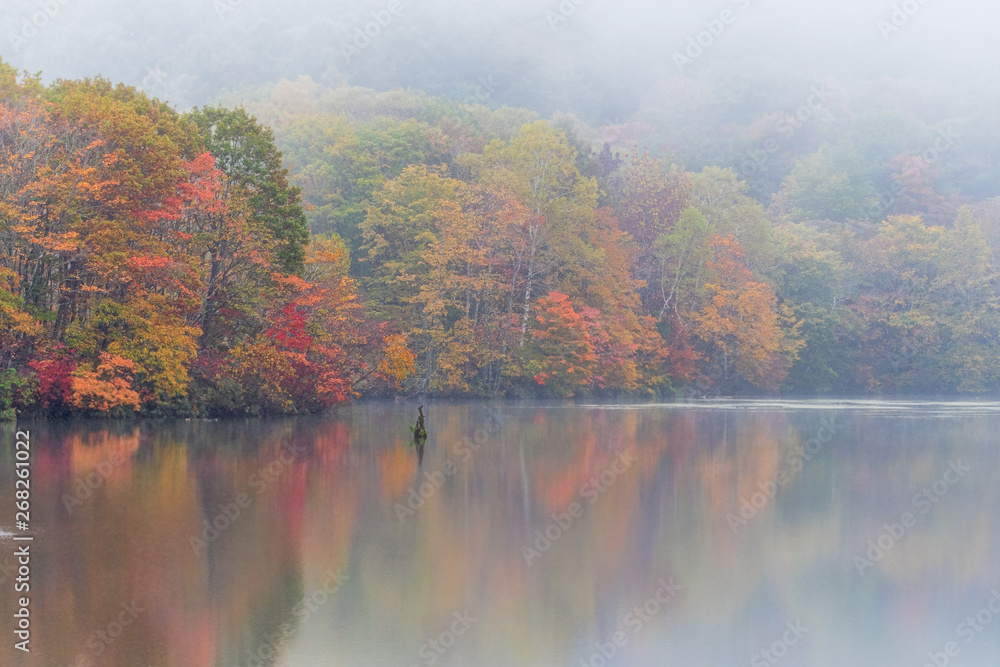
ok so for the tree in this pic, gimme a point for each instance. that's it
(683, 254)
(340, 163)
(747, 336)
(440, 253)
(809, 277)
(964, 298)
(896, 337)
(232, 251)
(722, 198)
(538, 166)
(648, 198)
(561, 355)
(245, 151)
(831, 184)
(105, 386)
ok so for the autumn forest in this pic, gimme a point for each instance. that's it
(299, 246)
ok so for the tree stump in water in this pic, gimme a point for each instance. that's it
(420, 432)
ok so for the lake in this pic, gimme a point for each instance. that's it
(701, 534)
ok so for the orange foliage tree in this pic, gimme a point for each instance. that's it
(745, 334)
(562, 356)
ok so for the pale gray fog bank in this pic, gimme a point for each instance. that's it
(590, 57)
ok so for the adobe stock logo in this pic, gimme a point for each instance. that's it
(86, 486)
(31, 25)
(463, 452)
(768, 489)
(968, 630)
(486, 86)
(714, 29)
(566, 9)
(434, 649)
(779, 648)
(900, 16)
(756, 158)
(894, 532)
(944, 142)
(636, 620)
(592, 490)
(363, 37)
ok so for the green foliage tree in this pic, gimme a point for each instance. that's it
(245, 151)
(831, 184)
(809, 277)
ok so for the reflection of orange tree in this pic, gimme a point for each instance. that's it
(89, 448)
(559, 485)
(261, 582)
(334, 489)
(718, 563)
(467, 538)
(397, 467)
(601, 541)
(251, 576)
(312, 510)
(124, 560)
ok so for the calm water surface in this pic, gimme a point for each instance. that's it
(709, 534)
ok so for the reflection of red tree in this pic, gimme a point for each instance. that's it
(76, 455)
(330, 443)
(558, 487)
(191, 635)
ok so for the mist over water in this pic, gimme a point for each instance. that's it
(531, 534)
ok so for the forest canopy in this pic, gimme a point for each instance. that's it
(299, 245)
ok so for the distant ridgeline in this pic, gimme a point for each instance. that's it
(173, 264)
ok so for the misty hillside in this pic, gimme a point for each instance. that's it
(624, 69)
(229, 207)
(454, 333)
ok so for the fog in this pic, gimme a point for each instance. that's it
(594, 58)
(610, 221)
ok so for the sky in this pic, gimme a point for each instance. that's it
(596, 58)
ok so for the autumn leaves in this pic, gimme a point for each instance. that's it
(156, 261)
(162, 262)
(515, 279)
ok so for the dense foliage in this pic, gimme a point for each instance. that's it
(141, 271)
(832, 252)
(162, 262)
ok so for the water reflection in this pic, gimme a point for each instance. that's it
(545, 535)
